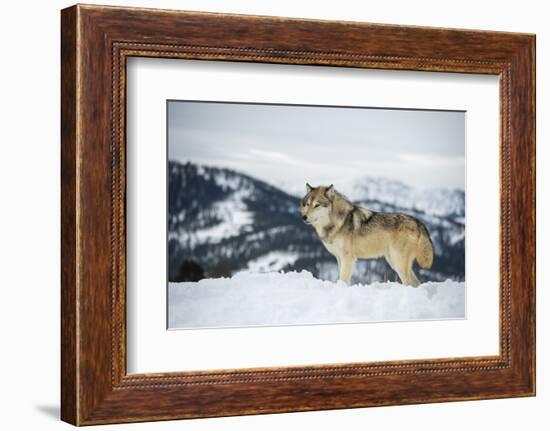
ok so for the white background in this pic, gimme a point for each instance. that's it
(29, 224)
(152, 349)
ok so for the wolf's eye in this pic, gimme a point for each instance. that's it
(316, 205)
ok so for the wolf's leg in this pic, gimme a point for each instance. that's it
(403, 276)
(346, 268)
(339, 263)
(411, 276)
(413, 280)
(398, 264)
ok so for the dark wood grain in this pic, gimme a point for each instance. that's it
(96, 41)
(69, 367)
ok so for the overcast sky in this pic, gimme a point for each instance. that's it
(291, 145)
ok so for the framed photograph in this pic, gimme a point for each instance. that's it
(263, 214)
(252, 243)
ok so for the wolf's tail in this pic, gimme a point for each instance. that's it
(425, 251)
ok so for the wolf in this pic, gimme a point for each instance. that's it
(350, 232)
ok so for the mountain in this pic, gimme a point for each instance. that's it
(227, 222)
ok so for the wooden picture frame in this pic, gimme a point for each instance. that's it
(95, 43)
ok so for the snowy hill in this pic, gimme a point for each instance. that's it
(227, 221)
(249, 299)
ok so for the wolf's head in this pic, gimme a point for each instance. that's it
(316, 204)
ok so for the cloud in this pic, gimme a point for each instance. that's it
(275, 142)
(272, 155)
(431, 160)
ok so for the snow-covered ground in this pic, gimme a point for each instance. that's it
(293, 298)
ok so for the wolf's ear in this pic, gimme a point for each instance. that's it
(309, 188)
(330, 192)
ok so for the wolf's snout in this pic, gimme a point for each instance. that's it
(304, 217)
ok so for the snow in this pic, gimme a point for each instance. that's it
(258, 236)
(229, 182)
(234, 219)
(297, 298)
(456, 237)
(272, 261)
